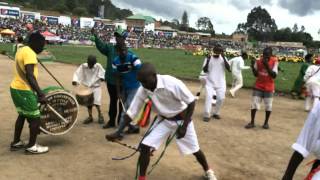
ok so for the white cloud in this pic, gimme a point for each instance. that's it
(225, 15)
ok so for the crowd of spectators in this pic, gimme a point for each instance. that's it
(105, 31)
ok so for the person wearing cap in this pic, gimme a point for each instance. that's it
(109, 50)
(299, 82)
(312, 80)
(237, 65)
(265, 70)
(125, 67)
(215, 67)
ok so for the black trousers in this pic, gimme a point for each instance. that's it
(115, 107)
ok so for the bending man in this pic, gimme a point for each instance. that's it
(174, 104)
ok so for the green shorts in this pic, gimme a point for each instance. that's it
(26, 103)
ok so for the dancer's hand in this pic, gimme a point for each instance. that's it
(42, 98)
(181, 132)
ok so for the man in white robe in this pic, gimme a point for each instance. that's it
(91, 74)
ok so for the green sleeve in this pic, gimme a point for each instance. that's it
(104, 48)
(303, 69)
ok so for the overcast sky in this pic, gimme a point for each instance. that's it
(226, 14)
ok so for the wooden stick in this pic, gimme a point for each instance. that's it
(56, 113)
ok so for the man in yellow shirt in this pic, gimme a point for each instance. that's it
(26, 93)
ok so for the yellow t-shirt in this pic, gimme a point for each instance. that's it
(24, 56)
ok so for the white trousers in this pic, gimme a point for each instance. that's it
(237, 83)
(220, 95)
(162, 130)
(96, 95)
(312, 99)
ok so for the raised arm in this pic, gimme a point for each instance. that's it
(226, 63)
(205, 67)
(272, 72)
(102, 47)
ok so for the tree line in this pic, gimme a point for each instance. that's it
(76, 7)
(260, 26)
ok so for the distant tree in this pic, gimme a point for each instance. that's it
(170, 24)
(302, 29)
(17, 1)
(80, 11)
(295, 28)
(259, 26)
(112, 12)
(204, 24)
(71, 4)
(184, 21)
(284, 34)
(176, 22)
(241, 28)
(40, 4)
(77, 7)
(93, 7)
(61, 8)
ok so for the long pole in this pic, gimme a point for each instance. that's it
(50, 74)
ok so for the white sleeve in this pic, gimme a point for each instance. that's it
(182, 93)
(231, 61)
(137, 103)
(308, 139)
(78, 74)
(101, 72)
(242, 66)
(275, 67)
(308, 73)
(224, 58)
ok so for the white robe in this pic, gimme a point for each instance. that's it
(91, 78)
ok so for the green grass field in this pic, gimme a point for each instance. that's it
(173, 62)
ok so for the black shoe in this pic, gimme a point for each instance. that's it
(265, 126)
(88, 120)
(206, 119)
(101, 119)
(249, 126)
(107, 126)
(216, 116)
(133, 131)
(114, 136)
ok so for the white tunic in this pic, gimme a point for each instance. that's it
(89, 77)
(312, 75)
(216, 72)
(170, 97)
(309, 138)
(237, 65)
